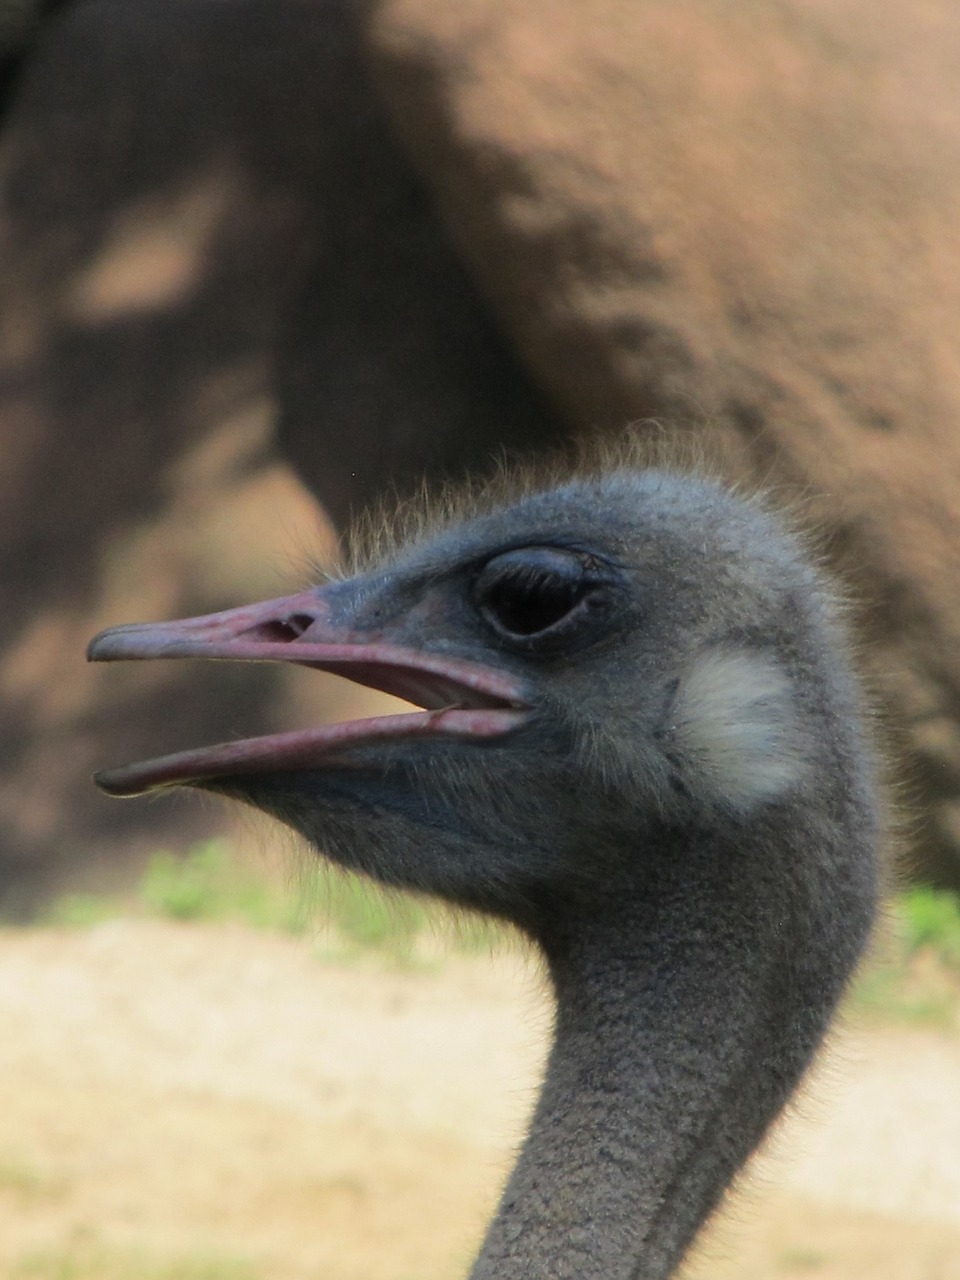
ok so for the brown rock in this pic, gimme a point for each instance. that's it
(212, 256)
(744, 219)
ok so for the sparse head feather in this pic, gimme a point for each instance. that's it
(395, 523)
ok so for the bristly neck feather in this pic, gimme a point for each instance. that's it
(684, 1021)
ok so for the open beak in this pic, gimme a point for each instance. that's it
(461, 700)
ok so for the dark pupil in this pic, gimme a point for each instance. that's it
(524, 604)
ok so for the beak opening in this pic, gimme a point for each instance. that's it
(461, 699)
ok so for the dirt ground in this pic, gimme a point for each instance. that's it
(211, 1103)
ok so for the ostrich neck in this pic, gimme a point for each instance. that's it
(681, 1030)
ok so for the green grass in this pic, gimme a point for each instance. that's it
(210, 884)
(917, 977)
(930, 919)
(81, 910)
(348, 914)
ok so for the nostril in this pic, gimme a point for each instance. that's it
(297, 623)
(282, 630)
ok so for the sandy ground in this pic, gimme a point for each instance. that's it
(205, 1102)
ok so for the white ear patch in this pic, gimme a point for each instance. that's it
(734, 727)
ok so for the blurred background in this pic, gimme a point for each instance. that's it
(265, 263)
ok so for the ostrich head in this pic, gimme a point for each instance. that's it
(641, 742)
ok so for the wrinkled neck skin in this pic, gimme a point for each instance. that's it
(684, 1022)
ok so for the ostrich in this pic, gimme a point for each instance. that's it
(641, 742)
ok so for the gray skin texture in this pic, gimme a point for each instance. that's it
(686, 823)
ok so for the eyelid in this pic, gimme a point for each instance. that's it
(543, 598)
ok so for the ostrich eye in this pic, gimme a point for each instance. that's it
(539, 592)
